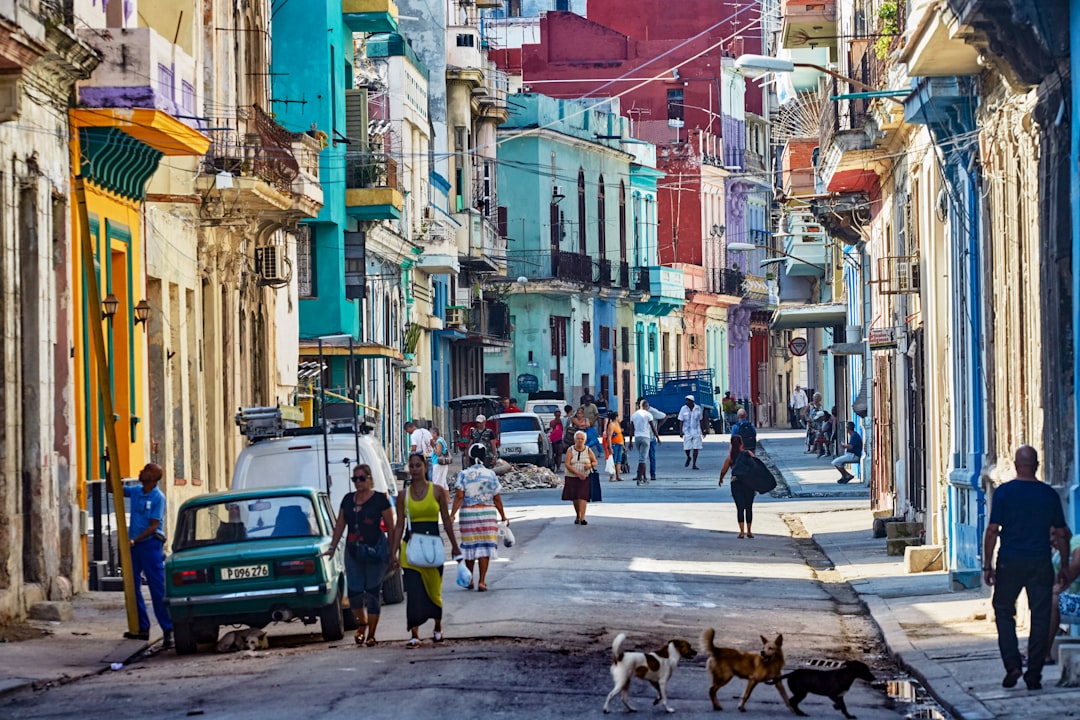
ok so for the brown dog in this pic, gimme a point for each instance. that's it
(726, 663)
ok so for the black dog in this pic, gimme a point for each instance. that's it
(830, 683)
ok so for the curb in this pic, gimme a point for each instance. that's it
(16, 685)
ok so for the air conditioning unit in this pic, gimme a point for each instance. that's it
(455, 317)
(898, 275)
(270, 264)
(557, 190)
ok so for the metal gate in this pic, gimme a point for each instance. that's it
(916, 415)
(882, 487)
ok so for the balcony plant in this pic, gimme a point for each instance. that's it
(888, 15)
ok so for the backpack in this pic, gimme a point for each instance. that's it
(748, 433)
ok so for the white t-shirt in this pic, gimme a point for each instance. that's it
(798, 400)
(422, 442)
(641, 420)
(691, 420)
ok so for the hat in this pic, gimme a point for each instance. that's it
(480, 418)
(689, 397)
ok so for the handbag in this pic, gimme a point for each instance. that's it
(425, 551)
(445, 458)
(595, 488)
(761, 478)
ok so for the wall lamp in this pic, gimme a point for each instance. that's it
(718, 230)
(109, 306)
(141, 311)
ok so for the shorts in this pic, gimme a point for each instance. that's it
(617, 452)
(691, 442)
(641, 447)
(845, 459)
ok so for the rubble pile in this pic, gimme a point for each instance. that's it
(529, 477)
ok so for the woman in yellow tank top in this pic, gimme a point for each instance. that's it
(427, 503)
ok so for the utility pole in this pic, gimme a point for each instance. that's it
(104, 381)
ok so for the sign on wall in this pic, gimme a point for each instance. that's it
(797, 346)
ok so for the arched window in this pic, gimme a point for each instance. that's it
(622, 221)
(582, 245)
(601, 219)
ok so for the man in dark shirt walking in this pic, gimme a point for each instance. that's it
(1025, 515)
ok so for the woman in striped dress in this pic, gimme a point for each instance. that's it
(477, 497)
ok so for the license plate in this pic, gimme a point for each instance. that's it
(245, 572)
(511, 450)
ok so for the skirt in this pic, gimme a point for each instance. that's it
(423, 586)
(574, 488)
(479, 528)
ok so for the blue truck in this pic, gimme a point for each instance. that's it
(667, 393)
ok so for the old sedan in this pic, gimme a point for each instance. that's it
(253, 557)
(523, 439)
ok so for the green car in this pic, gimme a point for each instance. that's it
(253, 557)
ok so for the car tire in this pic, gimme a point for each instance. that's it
(184, 637)
(393, 588)
(207, 634)
(332, 620)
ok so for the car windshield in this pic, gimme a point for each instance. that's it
(233, 521)
(519, 424)
(545, 408)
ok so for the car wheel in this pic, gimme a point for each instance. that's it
(332, 621)
(184, 637)
(207, 634)
(393, 588)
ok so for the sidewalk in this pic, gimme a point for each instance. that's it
(945, 639)
(86, 645)
(805, 473)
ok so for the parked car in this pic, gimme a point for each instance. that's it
(523, 438)
(545, 409)
(254, 557)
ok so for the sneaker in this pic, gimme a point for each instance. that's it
(1011, 678)
(141, 635)
(845, 480)
(687, 463)
(167, 640)
(652, 479)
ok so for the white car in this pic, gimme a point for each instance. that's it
(545, 409)
(522, 438)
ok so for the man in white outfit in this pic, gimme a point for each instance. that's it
(799, 402)
(690, 429)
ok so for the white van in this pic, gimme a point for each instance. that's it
(300, 460)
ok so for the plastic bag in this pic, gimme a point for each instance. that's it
(609, 466)
(464, 576)
(506, 534)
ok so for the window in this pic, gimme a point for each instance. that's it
(675, 104)
(513, 8)
(187, 96)
(562, 5)
(601, 219)
(582, 245)
(466, 40)
(622, 221)
(652, 342)
(558, 325)
(165, 81)
(305, 277)
(626, 344)
(605, 337)
(586, 332)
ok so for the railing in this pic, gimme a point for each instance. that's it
(370, 170)
(624, 274)
(548, 264)
(490, 318)
(603, 272)
(754, 161)
(757, 236)
(727, 281)
(264, 151)
(640, 279)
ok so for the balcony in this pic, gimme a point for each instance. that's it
(551, 265)
(439, 243)
(665, 287)
(726, 281)
(371, 186)
(603, 273)
(370, 16)
(798, 166)
(139, 69)
(849, 160)
(808, 24)
(639, 277)
(306, 189)
(936, 46)
(490, 319)
(479, 245)
(624, 275)
(464, 59)
(808, 256)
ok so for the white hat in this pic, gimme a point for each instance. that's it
(480, 418)
(689, 397)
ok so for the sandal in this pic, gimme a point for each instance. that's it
(437, 637)
(413, 643)
(359, 635)
(749, 534)
(371, 642)
(481, 588)
(741, 536)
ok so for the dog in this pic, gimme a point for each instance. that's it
(725, 663)
(247, 639)
(653, 667)
(830, 683)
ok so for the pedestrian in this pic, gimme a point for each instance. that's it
(556, 428)
(799, 402)
(601, 412)
(146, 536)
(481, 433)
(504, 405)
(586, 397)
(578, 422)
(419, 439)
(812, 414)
(478, 499)
(690, 430)
(440, 459)
(423, 503)
(580, 462)
(368, 554)
(1067, 595)
(592, 413)
(1025, 514)
(643, 427)
(613, 436)
(852, 454)
(745, 429)
(826, 427)
(513, 408)
(741, 491)
(729, 408)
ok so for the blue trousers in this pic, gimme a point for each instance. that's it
(652, 457)
(148, 558)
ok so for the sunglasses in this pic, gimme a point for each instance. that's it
(359, 478)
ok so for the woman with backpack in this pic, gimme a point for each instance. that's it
(741, 490)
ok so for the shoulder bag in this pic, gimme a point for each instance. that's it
(424, 551)
(444, 453)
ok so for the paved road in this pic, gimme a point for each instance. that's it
(656, 562)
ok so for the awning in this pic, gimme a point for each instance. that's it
(847, 348)
(794, 317)
(359, 350)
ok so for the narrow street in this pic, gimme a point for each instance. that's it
(657, 562)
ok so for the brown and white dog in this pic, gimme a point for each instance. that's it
(246, 639)
(754, 667)
(653, 667)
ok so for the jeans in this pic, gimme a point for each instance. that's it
(1037, 577)
(652, 457)
(641, 447)
(148, 558)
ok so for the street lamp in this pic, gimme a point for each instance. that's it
(748, 247)
(758, 65)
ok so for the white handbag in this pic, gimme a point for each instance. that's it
(425, 551)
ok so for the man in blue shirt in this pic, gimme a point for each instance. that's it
(1026, 516)
(146, 533)
(853, 448)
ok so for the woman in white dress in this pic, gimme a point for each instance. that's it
(440, 459)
